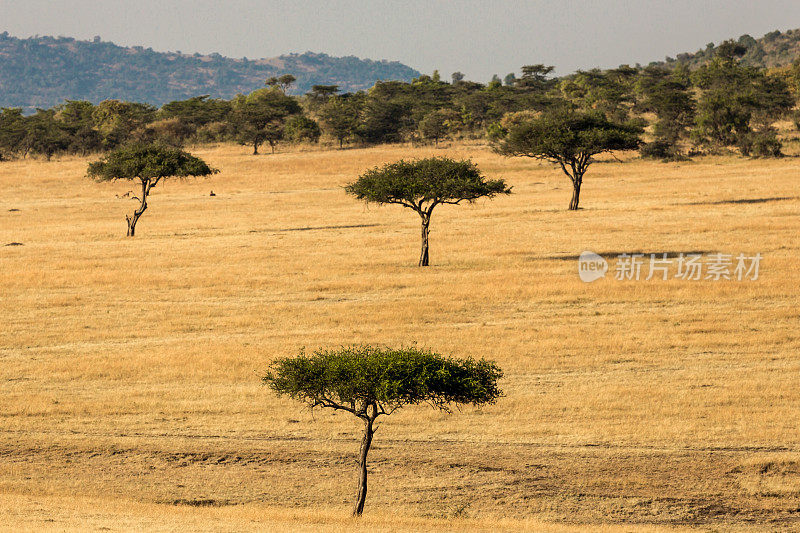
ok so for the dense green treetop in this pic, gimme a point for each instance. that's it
(563, 136)
(355, 377)
(148, 162)
(435, 180)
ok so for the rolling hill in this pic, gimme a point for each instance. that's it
(775, 49)
(44, 71)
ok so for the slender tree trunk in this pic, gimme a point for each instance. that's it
(366, 442)
(255, 148)
(136, 214)
(576, 177)
(576, 194)
(424, 256)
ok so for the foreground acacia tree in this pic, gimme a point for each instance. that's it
(369, 382)
(422, 185)
(569, 138)
(149, 163)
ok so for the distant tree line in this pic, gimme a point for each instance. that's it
(722, 105)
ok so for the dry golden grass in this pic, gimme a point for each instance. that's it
(129, 368)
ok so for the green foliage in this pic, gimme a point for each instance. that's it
(148, 162)
(355, 377)
(424, 183)
(76, 120)
(535, 78)
(302, 129)
(44, 135)
(775, 49)
(387, 113)
(282, 82)
(196, 112)
(438, 124)
(730, 50)
(717, 102)
(12, 131)
(569, 138)
(667, 94)
(370, 382)
(167, 131)
(771, 100)
(117, 121)
(76, 114)
(495, 132)
(565, 137)
(734, 99)
(324, 91)
(661, 150)
(609, 92)
(760, 144)
(340, 116)
(261, 117)
(319, 96)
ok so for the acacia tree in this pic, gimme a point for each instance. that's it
(422, 185)
(261, 117)
(282, 82)
(117, 121)
(666, 93)
(12, 131)
(436, 124)
(44, 135)
(370, 382)
(734, 98)
(569, 138)
(340, 117)
(149, 163)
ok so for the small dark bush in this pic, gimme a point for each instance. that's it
(760, 144)
(663, 150)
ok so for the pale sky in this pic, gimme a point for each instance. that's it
(478, 38)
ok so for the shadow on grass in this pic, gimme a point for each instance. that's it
(610, 255)
(745, 201)
(313, 228)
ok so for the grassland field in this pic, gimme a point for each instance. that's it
(130, 393)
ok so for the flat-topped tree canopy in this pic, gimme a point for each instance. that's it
(570, 139)
(562, 136)
(149, 163)
(353, 378)
(369, 382)
(423, 184)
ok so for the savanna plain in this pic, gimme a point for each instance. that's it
(130, 392)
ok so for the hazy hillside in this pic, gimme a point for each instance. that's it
(774, 49)
(44, 71)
